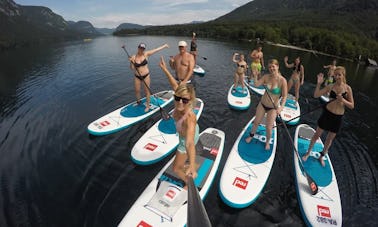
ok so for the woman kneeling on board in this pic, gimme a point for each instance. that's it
(333, 112)
(186, 126)
(276, 87)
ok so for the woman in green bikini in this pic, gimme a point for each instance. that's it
(276, 87)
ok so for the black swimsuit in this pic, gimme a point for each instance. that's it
(329, 121)
(137, 65)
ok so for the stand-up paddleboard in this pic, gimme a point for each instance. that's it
(239, 99)
(199, 70)
(247, 167)
(251, 84)
(129, 114)
(291, 110)
(160, 140)
(323, 208)
(163, 202)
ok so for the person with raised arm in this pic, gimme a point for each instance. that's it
(331, 118)
(297, 77)
(241, 69)
(139, 63)
(257, 62)
(331, 71)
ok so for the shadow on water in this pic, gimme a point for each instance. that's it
(53, 173)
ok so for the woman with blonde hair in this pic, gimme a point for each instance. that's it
(276, 88)
(186, 126)
(241, 69)
(333, 112)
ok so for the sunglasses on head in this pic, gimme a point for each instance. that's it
(184, 100)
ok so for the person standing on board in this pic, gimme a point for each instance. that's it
(276, 88)
(333, 112)
(182, 63)
(139, 63)
(186, 126)
(297, 77)
(193, 47)
(257, 62)
(331, 70)
(241, 65)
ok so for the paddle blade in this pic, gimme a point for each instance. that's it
(312, 184)
(197, 215)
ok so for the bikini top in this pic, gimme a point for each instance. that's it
(274, 91)
(143, 63)
(297, 68)
(241, 66)
(180, 121)
(333, 95)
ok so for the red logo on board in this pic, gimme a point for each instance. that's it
(143, 224)
(287, 115)
(105, 123)
(170, 194)
(239, 102)
(214, 151)
(324, 211)
(240, 183)
(150, 147)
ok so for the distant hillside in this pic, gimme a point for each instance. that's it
(106, 31)
(129, 26)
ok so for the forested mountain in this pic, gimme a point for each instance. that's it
(27, 25)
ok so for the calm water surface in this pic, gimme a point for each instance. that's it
(53, 173)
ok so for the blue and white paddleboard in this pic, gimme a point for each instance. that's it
(163, 202)
(323, 208)
(239, 99)
(291, 110)
(247, 167)
(129, 114)
(160, 140)
(251, 84)
(199, 70)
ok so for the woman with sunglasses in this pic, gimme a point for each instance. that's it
(139, 63)
(331, 118)
(186, 126)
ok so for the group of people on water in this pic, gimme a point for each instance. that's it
(271, 103)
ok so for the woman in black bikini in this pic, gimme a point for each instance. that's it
(297, 77)
(331, 118)
(240, 72)
(139, 63)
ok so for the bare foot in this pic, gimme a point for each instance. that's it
(321, 160)
(147, 109)
(267, 147)
(305, 157)
(248, 139)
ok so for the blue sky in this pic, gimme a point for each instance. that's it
(111, 13)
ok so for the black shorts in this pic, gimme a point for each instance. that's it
(329, 121)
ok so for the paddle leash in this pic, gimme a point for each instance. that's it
(163, 113)
(197, 215)
(311, 183)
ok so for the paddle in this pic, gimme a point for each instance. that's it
(311, 183)
(197, 215)
(163, 113)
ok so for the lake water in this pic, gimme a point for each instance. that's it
(53, 173)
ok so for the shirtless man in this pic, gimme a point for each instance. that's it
(257, 61)
(182, 63)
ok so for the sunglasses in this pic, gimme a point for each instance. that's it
(184, 100)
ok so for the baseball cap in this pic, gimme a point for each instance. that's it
(142, 45)
(182, 44)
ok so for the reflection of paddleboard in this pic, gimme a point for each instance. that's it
(129, 114)
(239, 98)
(247, 167)
(324, 208)
(160, 140)
(251, 84)
(291, 110)
(163, 202)
(199, 70)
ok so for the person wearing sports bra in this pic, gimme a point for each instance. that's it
(186, 126)
(333, 112)
(139, 63)
(276, 88)
(240, 72)
(297, 77)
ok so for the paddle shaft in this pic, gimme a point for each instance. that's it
(197, 215)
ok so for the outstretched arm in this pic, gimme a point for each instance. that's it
(151, 52)
(171, 79)
(234, 57)
(259, 82)
(288, 65)
(319, 92)
(262, 60)
(349, 100)
(302, 74)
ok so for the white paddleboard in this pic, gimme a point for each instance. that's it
(239, 99)
(291, 110)
(165, 206)
(251, 84)
(199, 70)
(247, 167)
(324, 208)
(160, 140)
(129, 114)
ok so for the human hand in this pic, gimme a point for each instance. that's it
(320, 78)
(162, 63)
(339, 97)
(191, 171)
(132, 59)
(286, 58)
(166, 46)
(279, 109)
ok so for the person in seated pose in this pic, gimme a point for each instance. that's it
(297, 77)
(139, 63)
(240, 72)
(186, 126)
(276, 87)
(333, 112)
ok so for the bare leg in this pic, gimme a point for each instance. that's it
(241, 80)
(236, 78)
(328, 143)
(260, 112)
(147, 81)
(137, 89)
(297, 86)
(289, 84)
(179, 165)
(314, 138)
(270, 118)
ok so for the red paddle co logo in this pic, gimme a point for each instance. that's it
(150, 147)
(324, 211)
(143, 224)
(240, 183)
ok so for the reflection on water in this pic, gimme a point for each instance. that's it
(52, 173)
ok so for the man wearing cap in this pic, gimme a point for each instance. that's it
(182, 63)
